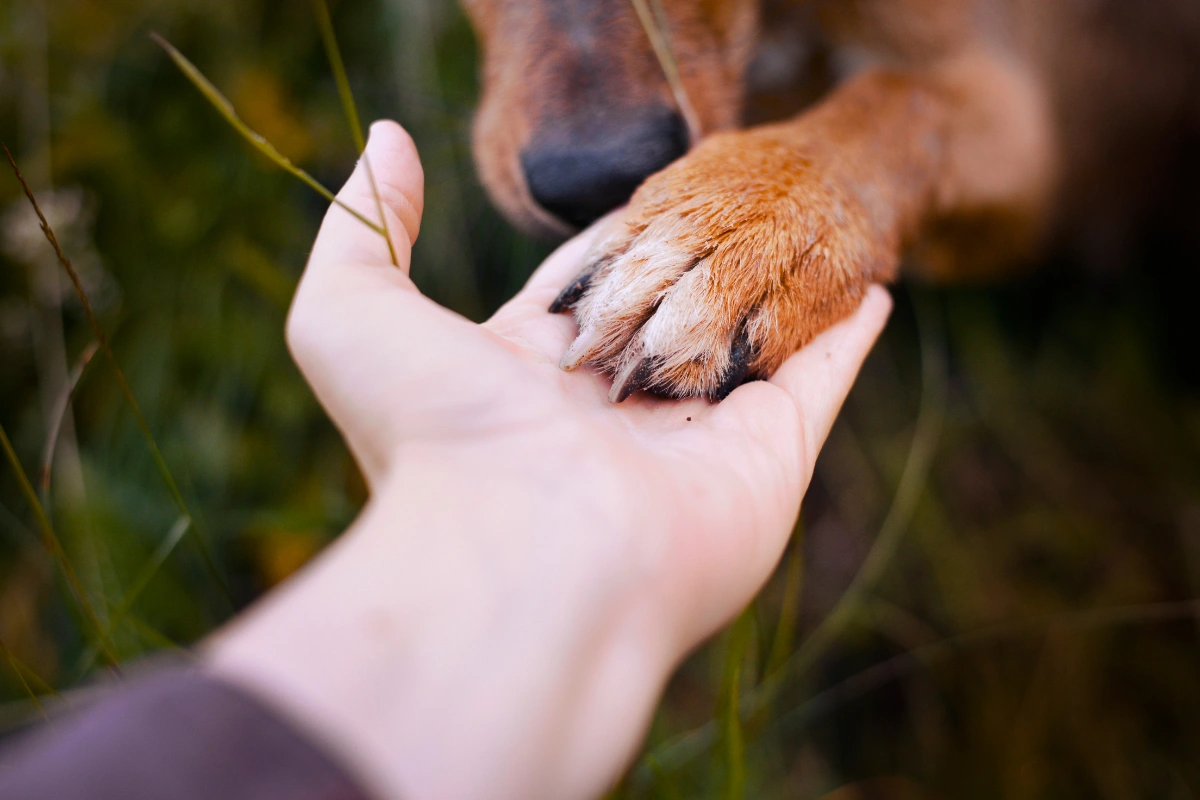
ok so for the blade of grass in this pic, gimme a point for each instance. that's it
(687, 746)
(793, 586)
(155, 638)
(18, 669)
(57, 415)
(657, 29)
(379, 208)
(930, 418)
(334, 53)
(902, 664)
(665, 784)
(160, 462)
(225, 108)
(54, 548)
(17, 530)
(145, 575)
(729, 718)
(150, 568)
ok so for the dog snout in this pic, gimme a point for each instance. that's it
(580, 176)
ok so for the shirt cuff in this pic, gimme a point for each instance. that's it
(180, 734)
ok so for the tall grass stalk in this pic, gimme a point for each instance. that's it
(930, 419)
(926, 656)
(934, 396)
(789, 611)
(657, 28)
(56, 552)
(729, 717)
(334, 53)
(19, 670)
(160, 462)
(145, 575)
(57, 415)
(155, 638)
(225, 108)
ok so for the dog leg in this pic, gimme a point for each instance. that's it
(737, 255)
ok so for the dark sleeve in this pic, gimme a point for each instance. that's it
(177, 735)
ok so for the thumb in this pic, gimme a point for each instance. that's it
(351, 265)
(388, 175)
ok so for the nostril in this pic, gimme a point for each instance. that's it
(581, 178)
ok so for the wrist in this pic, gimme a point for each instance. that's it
(446, 647)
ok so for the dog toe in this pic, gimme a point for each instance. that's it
(716, 275)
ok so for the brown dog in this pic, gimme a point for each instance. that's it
(958, 132)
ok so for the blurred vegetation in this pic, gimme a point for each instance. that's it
(1033, 635)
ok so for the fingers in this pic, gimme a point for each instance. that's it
(819, 377)
(350, 277)
(391, 166)
(790, 427)
(364, 338)
(769, 440)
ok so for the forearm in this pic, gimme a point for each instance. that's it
(441, 651)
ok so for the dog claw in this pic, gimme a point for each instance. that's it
(740, 358)
(636, 374)
(580, 349)
(569, 296)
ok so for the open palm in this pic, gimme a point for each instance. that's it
(702, 495)
(613, 536)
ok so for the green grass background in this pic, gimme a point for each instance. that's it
(1032, 635)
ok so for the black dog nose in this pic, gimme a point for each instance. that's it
(580, 178)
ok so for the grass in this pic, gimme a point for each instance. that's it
(1018, 468)
(56, 420)
(102, 631)
(256, 140)
(24, 674)
(160, 463)
(54, 549)
(654, 21)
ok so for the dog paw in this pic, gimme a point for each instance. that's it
(722, 266)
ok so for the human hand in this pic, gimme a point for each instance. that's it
(535, 560)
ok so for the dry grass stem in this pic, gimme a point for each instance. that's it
(657, 29)
(56, 552)
(160, 463)
(789, 612)
(225, 108)
(334, 53)
(930, 418)
(156, 639)
(878, 675)
(57, 415)
(145, 575)
(732, 731)
(19, 669)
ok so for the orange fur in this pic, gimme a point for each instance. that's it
(956, 134)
